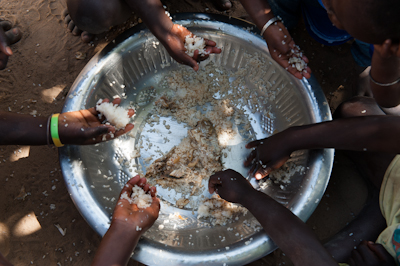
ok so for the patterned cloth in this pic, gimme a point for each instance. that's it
(389, 200)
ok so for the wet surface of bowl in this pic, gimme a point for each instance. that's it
(132, 68)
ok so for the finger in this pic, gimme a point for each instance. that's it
(3, 43)
(253, 144)
(13, 36)
(142, 182)
(129, 185)
(121, 132)
(365, 252)
(71, 26)
(117, 101)
(134, 180)
(146, 187)
(76, 31)
(262, 172)
(215, 180)
(379, 251)
(189, 61)
(3, 61)
(210, 42)
(213, 50)
(250, 158)
(153, 191)
(131, 112)
(155, 205)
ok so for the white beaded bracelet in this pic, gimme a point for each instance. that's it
(269, 23)
(383, 84)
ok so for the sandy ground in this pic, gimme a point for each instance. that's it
(33, 197)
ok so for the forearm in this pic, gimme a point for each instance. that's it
(19, 129)
(116, 247)
(153, 15)
(291, 235)
(368, 133)
(259, 11)
(385, 70)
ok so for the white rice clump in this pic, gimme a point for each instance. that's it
(114, 114)
(219, 210)
(138, 197)
(193, 43)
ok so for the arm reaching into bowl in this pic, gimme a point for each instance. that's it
(378, 133)
(171, 35)
(127, 225)
(280, 43)
(293, 236)
(79, 127)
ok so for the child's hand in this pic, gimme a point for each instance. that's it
(130, 215)
(8, 36)
(371, 254)
(229, 185)
(269, 154)
(174, 42)
(280, 45)
(84, 127)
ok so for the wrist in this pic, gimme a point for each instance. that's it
(121, 229)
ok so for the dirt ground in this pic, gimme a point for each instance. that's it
(33, 197)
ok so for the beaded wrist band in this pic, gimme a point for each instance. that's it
(54, 130)
(269, 23)
(383, 84)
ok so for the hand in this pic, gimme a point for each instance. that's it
(371, 254)
(281, 47)
(70, 126)
(229, 185)
(130, 215)
(8, 36)
(269, 154)
(174, 42)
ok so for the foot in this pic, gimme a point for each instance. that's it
(8, 36)
(223, 4)
(86, 37)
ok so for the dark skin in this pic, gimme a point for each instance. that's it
(280, 42)
(122, 237)
(293, 237)
(368, 127)
(8, 36)
(18, 129)
(89, 16)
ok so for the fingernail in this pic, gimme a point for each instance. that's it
(8, 49)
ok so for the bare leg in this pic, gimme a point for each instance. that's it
(370, 222)
(88, 17)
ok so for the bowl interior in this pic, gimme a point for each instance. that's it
(135, 68)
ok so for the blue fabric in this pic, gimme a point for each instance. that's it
(320, 27)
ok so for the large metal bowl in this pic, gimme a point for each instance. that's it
(95, 174)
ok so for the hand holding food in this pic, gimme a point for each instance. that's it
(268, 154)
(178, 41)
(229, 185)
(285, 52)
(86, 127)
(138, 206)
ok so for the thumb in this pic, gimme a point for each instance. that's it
(189, 61)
